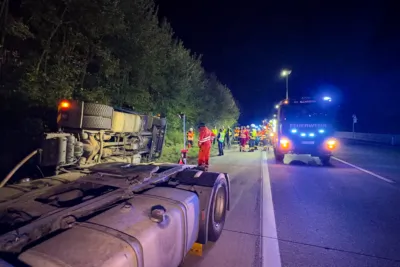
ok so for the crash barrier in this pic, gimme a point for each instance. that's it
(389, 139)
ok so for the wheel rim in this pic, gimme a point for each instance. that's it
(219, 206)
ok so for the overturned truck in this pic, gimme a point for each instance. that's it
(92, 133)
(104, 202)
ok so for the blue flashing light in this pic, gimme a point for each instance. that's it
(294, 130)
(327, 98)
(321, 131)
(303, 134)
(311, 134)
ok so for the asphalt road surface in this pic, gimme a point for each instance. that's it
(303, 214)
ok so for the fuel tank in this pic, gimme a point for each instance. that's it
(126, 123)
(126, 235)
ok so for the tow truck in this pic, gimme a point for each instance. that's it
(104, 202)
(305, 126)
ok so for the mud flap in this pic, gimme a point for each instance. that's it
(203, 184)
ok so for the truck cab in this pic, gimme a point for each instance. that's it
(305, 126)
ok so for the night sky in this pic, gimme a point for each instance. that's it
(347, 49)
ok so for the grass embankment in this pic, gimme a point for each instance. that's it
(174, 144)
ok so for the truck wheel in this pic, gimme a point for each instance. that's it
(325, 160)
(98, 110)
(218, 208)
(94, 122)
(278, 157)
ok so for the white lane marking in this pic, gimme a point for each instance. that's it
(270, 245)
(366, 171)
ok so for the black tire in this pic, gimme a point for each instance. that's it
(98, 110)
(278, 157)
(218, 209)
(96, 123)
(325, 160)
(163, 122)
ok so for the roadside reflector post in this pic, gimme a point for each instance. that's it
(354, 122)
(182, 160)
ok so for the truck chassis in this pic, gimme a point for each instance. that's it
(114, 186)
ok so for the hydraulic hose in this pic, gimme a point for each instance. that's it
(16, 168)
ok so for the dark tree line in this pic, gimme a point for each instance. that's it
(115, 52)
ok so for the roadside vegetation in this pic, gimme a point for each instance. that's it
(113, 52)
(174, 145)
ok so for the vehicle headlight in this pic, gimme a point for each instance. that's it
(284, 143)
(331, 143)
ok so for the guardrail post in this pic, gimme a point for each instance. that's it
(393, 140)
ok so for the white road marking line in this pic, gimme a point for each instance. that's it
(270, 245)
(364, 170)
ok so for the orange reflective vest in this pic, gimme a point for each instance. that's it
(190, 136)
(205, 137)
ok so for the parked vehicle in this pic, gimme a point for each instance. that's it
(305, 126)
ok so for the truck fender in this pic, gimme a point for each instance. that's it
(204, 184)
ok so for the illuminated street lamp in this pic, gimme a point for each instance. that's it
(285, 74)
(277, 106)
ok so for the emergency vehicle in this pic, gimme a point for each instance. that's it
(305, 126)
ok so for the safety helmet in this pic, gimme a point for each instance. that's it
(191, 129)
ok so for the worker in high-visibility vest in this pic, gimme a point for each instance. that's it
(224, 130)
(215, 132)
(237, 133)
(190, 137)
(221, 141)
(247, 131)
(259, 135)
(228, 137)
(206, 137)
(263, 138)
(243, 139)
(253, 136)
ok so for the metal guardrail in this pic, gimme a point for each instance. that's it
(389, 139)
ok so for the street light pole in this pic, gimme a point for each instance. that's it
(184, 131)
(287, 86)
(182, 116)
(286, 73)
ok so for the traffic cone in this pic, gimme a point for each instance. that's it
(182, 160)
